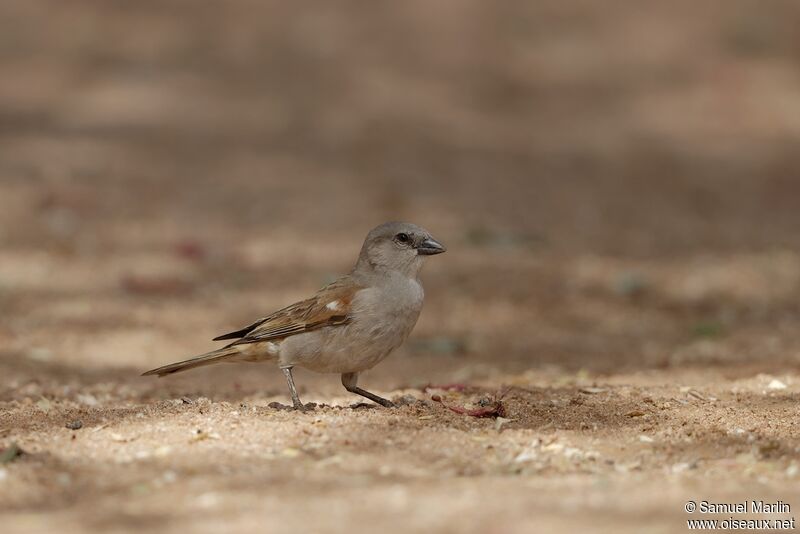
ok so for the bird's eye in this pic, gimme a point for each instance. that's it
(402, 238)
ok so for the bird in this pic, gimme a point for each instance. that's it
(348, 326)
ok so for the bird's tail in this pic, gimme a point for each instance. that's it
(215, 356)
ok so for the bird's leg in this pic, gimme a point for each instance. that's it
(287, 371)
(349, 381)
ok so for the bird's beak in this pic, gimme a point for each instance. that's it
(429, 247)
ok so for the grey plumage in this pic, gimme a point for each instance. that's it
(348, 326)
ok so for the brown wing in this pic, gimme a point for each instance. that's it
(329, 307)
(240, 333)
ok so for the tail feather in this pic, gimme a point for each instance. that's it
(215, 356)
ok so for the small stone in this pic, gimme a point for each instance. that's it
(290, 452)
(406, 400)
(680, 467)
(697, 395)
(627, 468)
(776, 384)
(500, 421)
(10, 454)
(646, 439)
(88, 399)
(592, 390)
(75, 425)
(44, 404)
(554, 447)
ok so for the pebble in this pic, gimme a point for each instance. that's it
(88, 399)
(75, 425)
(776, 384)
(499, 422)
(290, 452)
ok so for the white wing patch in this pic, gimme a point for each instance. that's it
(335, 305)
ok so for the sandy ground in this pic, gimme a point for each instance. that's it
(617, 186)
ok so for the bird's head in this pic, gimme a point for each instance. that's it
(398, 246)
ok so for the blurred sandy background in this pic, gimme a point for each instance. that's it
(617, 184)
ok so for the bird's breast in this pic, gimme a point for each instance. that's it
(386, 315)
(380, 320)
(399, 303)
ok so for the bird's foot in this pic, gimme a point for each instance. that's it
(369, 405)
(386, 403)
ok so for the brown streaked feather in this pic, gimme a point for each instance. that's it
(240, 333)
(215, 356)
(304, 316)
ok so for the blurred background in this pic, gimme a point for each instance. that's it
(617, 182)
